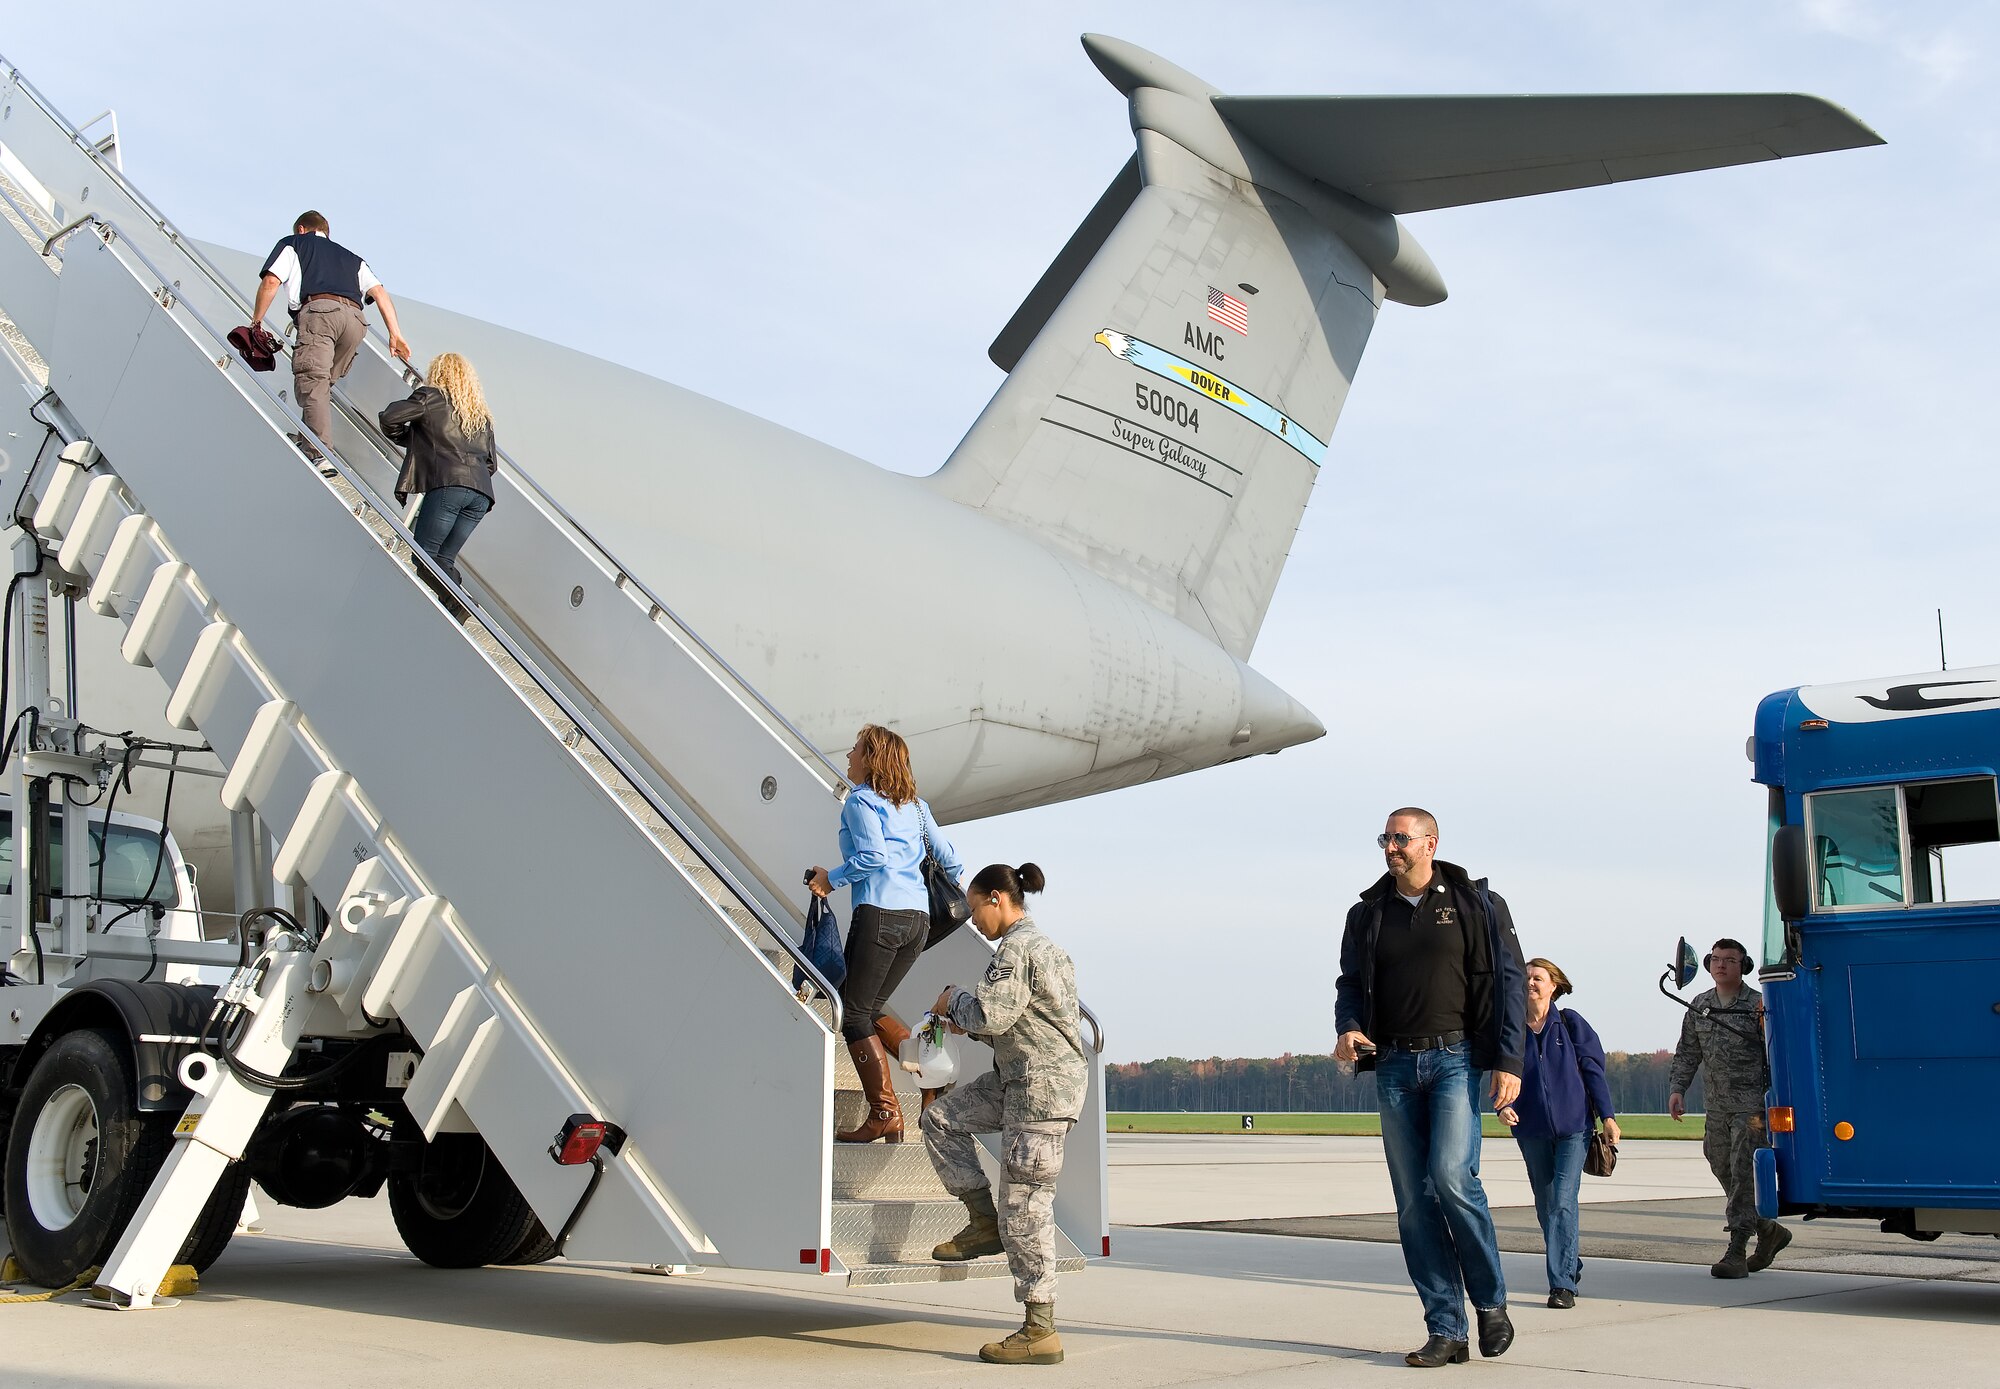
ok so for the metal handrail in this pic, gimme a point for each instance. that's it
(522, 476)
(839, 779)
(839, 782)
(49, 245)
(585, 726)
(1096, 1031)
(90, 151)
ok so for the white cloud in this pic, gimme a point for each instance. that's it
(1942, 57)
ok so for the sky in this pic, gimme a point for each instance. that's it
(1668, 447)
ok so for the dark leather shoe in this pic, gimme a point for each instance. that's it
(1562, 1298)
(1496, 1332)
(1438, 1350)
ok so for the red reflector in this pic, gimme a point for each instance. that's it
(580, 1144)
(1107, 1246)
(808, 1256)
(582, 1137)
(826, 1261)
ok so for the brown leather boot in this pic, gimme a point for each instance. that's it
(893, 1035)
(885, 1116)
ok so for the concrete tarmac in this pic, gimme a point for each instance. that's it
(1163, 1179)
(329, 1298)
(1684, 1232)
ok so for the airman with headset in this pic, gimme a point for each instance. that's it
(1723, 1037)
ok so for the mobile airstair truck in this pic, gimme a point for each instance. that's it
(532, 968)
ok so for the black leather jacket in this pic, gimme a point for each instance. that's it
(1496, 991)
(438, 454)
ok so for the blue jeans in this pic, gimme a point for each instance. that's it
(1431, 1102)
(1555, 1171)
(445, 521)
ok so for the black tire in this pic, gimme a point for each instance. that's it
(92, 1069)
(217, 1222)
(459, 1209)
(538, 1248)
(78, 1111)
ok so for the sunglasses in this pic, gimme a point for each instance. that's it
(1401, 841)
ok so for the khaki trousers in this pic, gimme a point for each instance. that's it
(330, 333)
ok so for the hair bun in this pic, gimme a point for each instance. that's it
(1031, 878)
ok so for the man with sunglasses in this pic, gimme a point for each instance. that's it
(1432, 997)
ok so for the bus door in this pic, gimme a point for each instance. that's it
(1904, 946)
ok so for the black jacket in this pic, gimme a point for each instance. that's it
(439, 455)
(1496, 977)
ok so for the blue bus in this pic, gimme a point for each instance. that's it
(1880, 964)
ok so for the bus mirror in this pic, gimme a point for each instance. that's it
(1790, 879)
(1684, 964)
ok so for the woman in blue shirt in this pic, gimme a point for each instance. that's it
(1562, 1088)
(883, 825)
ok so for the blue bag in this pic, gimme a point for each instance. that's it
(822, 946)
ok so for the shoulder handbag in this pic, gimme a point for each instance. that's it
(1600, 1154)
(949, 910)
(821, 946)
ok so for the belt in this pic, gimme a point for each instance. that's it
(1443, 1039)
(341, 297)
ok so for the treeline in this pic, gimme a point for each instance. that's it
(1314, 1084)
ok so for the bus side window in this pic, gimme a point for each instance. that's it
(1857, 847)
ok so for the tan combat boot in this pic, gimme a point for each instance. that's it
(1735, 1261)
(981, 1235)
(1036, 1343)
(1771, 1238)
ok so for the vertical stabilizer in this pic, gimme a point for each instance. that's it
(1175, 377)
(1176, 373)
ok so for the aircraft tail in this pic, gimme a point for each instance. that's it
(1176, 373)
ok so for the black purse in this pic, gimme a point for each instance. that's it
(949, 910)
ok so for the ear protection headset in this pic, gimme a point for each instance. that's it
(1748, 964)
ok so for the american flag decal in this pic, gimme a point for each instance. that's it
(1229, 311)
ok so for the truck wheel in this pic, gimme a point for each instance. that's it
(459, 1208)
(217, 1222)
(79, 1157)
(538, 1248)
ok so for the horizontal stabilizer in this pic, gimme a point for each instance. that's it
(1415, 153)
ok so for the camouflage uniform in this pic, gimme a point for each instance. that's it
(1735, 1075)
(1026, 1007)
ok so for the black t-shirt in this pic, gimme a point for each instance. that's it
(1419, 967)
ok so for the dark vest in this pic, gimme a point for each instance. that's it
(325, 266)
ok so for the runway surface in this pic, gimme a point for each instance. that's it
(1684, 1232)
(329, 1298)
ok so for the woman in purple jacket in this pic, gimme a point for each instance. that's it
(1563, 1091)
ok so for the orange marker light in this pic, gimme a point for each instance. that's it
(1781, 1118)
(1843, 1130)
